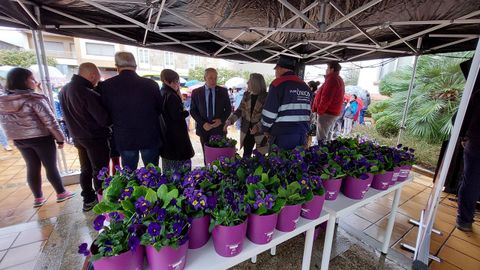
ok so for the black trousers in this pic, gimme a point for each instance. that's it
(94, 154)
(35, 152)
(248, 144)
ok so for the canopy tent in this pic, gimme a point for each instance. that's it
(261, 30)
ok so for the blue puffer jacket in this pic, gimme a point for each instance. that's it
(351, 110)
(287, 108)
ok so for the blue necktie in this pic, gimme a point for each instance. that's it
(210, 105)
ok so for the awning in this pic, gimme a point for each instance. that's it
(261, 30)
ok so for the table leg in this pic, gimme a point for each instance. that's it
(307, 251)
(327, 246)
(273, 251)
(391, 221)
(254, 259)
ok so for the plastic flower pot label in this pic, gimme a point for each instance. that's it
(177, 265)
(269, 236)
(234, 250)
(305, 211)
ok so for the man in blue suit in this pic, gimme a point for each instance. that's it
(210, 107)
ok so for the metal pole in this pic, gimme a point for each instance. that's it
(409, 94)
(433, 201)
(39, 59)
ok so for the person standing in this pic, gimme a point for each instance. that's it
(88, 121)
(177, 150)
(328, 101)
(366, 103)
(210, 107)
(249, 112)
(286, 114)
(4, 140)
(134, 105)
(350, 111)
(28, 120)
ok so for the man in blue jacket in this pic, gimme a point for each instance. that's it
(286, 113)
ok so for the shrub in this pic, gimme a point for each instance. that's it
(387, 126)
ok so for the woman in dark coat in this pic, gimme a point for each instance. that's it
(176, 150)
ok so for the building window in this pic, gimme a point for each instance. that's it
(143, 56)
(168, 59)
(54, 46)
(99, 49)
(193, 61)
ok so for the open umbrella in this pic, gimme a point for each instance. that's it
(57, 78)
(4, 71)
(192, 82)
(200, 84)
(236, 82)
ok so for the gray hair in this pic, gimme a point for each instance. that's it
(125, 59)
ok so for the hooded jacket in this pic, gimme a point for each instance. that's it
(28, 115)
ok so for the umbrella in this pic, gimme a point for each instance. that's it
(57, 78)
(355, 90)
(4, 71)
(200, 84)
(192, 82)
(236, 82)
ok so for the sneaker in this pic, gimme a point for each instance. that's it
(464, 227)
(65, 196)
(89, 206)
(39, 202)
(8, 148)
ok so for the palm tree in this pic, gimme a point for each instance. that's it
(437, 92)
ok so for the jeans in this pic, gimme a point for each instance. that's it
(362, 116)
(289, 141)
(149, 156)
(3, 137)
(35, 152)
(348, 126)
(469, 191)
(93, 155)
(325, 123)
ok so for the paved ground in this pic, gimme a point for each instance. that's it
(47, 238)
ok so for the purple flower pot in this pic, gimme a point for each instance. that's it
(404, 172)
(396, 172)
(288, 217)
(127, 260)
(212, 153)
(260, 229)
(228, 240)
(198, 235)
(167, 258)
(332, 188)
(355, 188)
(313, 208)
(382, 181)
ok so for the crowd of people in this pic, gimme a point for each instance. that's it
(128, 117)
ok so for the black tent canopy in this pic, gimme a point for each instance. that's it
(261, 30)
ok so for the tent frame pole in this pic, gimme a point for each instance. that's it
(409, 94)
(428, 215)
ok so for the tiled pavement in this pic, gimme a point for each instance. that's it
(32, 238)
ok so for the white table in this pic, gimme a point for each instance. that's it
(207, 258)
(343, 206)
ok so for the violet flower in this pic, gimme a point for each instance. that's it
(98, 222)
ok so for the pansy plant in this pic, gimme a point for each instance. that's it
(112, 240)
(262, 193)
(219, 141)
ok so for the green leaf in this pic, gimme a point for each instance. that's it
(258, 171)
(162, 192)
(128, 206)
(151, 196)
(139, 191)
(173, 194)
(241, 174)
(104, 207)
